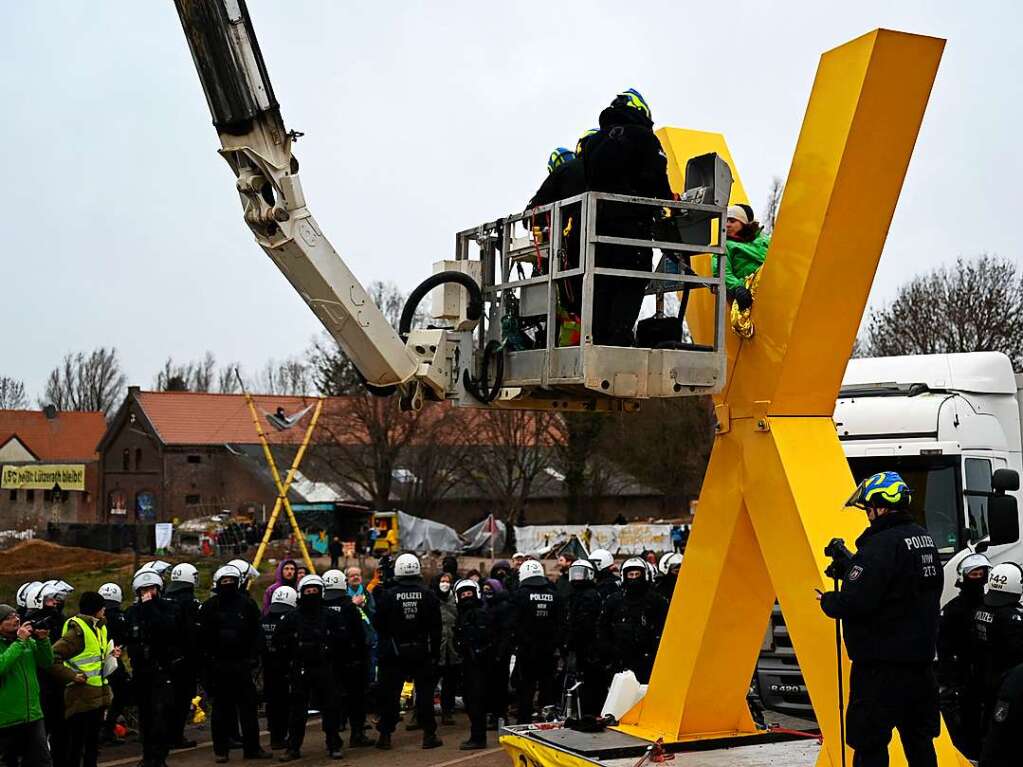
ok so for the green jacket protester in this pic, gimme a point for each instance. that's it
(742, 259)
(19, 686)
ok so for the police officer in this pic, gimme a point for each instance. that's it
(276, 668)
(889, 605)
(408, 625)
(475, 640)
(45, 610)
(668, 566)
(230, 641)
(632, 622)
(120, 682)
(959, 668)
(998, 630)
(605, 578)
(181, 590)
(350, 665)
(153, 630)
(21, 597)
(536, 629)
(1003, 743)
(624, 157)
(582, 648)
(312, 637)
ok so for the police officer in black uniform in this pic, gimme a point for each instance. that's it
(276, 666)
(1003, 745)
(312, 637)
(408, 625)
(632, 622)
(669, 567)
(536, 629)
(181, 590)
(605, 578)
(230, 642)
(889, 605)
(624, 157)
(350, 665)
(475, 640)
(582, 647)
(998, 631)
(153, 630)
(960, 672)
(119, 680)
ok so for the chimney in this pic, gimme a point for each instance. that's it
(50, 411)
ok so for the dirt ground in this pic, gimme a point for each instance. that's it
(40, 560)
(406, 751)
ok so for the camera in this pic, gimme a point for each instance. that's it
(840, 557)
(40, 619)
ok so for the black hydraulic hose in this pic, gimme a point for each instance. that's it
(474, 311)
(480, 389)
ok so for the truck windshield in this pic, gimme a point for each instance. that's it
(937, 493)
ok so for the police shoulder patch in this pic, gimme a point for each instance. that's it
(854, 573)
(1001, 712)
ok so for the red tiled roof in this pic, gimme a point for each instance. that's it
(71, 436)
(199, 418)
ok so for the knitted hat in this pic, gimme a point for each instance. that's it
(5, 611)
(91, 603)
(742, 213)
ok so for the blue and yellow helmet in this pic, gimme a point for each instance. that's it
(885, 489)
(558, 157)
(634, 100)
(582, 140)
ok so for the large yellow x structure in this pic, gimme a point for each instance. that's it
(774, 491)
(777, 480)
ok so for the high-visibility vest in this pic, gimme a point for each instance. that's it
(90, 660)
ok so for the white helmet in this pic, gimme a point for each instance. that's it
(407, 566)
(334, 580)
(970, 563)
(581, 570)
(226, 571)
(144, 578)
(530, 569)
(158, 566)
(283, 599)
(58, 590)
(34, 595)
(22, 595)
(601, 559)
(635, 563)
(651, 571)
(185, 573)
(246, 571)
(466, 584)
(1004, 584)
(110, 592)
(309, 580)
(668, 561)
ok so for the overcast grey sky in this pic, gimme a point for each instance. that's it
(123, 227)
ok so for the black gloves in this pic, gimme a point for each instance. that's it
(743, 298)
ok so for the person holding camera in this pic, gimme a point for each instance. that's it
(889, 603)
(24, 649)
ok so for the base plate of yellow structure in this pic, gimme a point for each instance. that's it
(528, 747)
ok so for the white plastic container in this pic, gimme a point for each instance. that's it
(624, 693)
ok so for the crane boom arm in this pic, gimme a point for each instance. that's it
(257, 146)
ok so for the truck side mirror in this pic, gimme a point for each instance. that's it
(1004, 480)
(1003, 518)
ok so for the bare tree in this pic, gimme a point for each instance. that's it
(290, 376)
(196, 375)
(774, 194)
(975, 305)
(366, 436)
(227, 381)
(333, 374)
(82, 381)
(435, 461)
(511, 449)
(12, 394)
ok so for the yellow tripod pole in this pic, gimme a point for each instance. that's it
(282, 487)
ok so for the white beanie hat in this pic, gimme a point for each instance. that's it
(738, 212)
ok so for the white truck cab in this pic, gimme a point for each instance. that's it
(946, 423)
